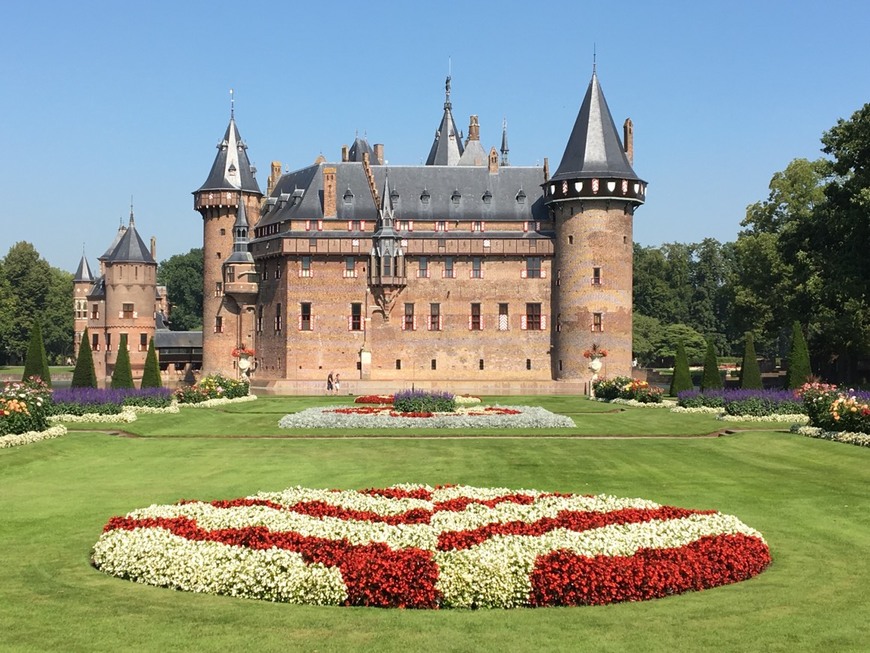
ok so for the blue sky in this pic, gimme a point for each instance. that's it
(107, 100)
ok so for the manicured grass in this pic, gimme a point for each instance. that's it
(808, 497)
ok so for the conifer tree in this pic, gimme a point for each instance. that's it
(750, 373)
(151, 374)
(799, 367)
(36, 363)
(711, 380)
(682, 378)
(84, 375)
(122, 375)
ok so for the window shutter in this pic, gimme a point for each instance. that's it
(362, 225)
(349, 225)
(349, 323)
(415, 323)
(525, 226)
(543, 274)
(300, 322)
(543, 322)
(469, 323)
(481, 321)
(410, 225)
(523, 322)
(320, 225)
(523, 274)
(120, 313)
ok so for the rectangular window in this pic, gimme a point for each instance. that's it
(533, 320)
(95, 342)
(434, 364)
(355, 225)
(596, 276)
(260, 319)
(278, 318)
(503, 318)
(95, 311)
(480, 364)
(434, 317)
(218, 289)
(108, 342)
(441, 225)
(305, 268)
(475, 321)
(127, 311)
(279, 266)
(231, 273)
(448, 268)
(305, 319)
(597, 324)
(477, 225)
(476, 268)
(355, 323)
(349, 267)
(398, 363)
(409, 323)
(219, 324)
(533, 268)
(143, 341)
(423, 269)
(406, 225)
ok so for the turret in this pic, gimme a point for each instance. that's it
(447, 147)
(82, 282)
(592, 197)
(231, 189)
(387, 275)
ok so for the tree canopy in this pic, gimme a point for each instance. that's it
(182, 276)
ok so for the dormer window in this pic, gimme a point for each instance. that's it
(521, 197)
(487, 197)
(424, 196)
(456, 196)
(348, 196)
(394, 196)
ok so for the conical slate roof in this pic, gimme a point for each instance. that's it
(122, 228)
(360, 148)
(447, 147)
(594, 148)
(130, 248)
(231, 169)
(83, 272)
(241, 253)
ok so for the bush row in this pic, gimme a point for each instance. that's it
(624, 387)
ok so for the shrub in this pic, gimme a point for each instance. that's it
(421, 401)
(799, 369)
(151, 373)
(712, 380)
(122, 375)
(36, 363)
(24, 406)
(760, 403)
(698, 399)
(213, 386)
(81, 401)
(750, 373)
(681, 379)
(84, 375)
(623, 387)
(832, 409)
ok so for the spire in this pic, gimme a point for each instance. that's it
(83, 272)
(129, 248)
(504, 143)
(594, 148)
(447, 147)
(241, 253)
(232, 170)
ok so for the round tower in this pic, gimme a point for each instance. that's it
(592, 197)
(230, 184)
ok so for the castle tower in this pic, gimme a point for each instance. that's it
(447, 147)
(241, 283)
(230, 184)
(82, 282)
(592, 198)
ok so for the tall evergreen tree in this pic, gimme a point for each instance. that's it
(798, 359)
(151, 374)
(712, 380)
(122, 375)
(682, 378)
(84, 375)
(750, 373)
(36, 363)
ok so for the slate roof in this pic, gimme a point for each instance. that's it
(423, 193)
(594, 148)
(83, 272)
(164, 339)
(447, 146)
(359, 148)
(130, 248)
(240, 254)
(231, 169)
(118, 235)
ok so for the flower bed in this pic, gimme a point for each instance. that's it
(415, 546)
(385, 417)
(213, 386)
(24, 407)
(753, 403)
(624, 387)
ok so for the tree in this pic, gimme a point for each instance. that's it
(711, 380)
(122, 375)
(682, 378)
(36, 363)
(750, 373)
(799, 368)
(84, 375)
(182, 275)
(57, 318)
(151, 374)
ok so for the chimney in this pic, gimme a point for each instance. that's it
(473, 129)
(493, 158)
(345, 153)
(274, 177)
(628, 137)
(379, 154)
(546, 169)
(154, 248)
(329, 193)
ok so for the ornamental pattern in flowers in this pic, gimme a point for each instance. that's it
(416, 546)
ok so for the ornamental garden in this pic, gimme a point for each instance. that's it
(184, 506)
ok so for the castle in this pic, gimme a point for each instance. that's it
(466, 268)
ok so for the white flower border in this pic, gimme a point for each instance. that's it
(846, 437)
(18, 439)
(221, 401)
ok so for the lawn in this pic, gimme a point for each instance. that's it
(808, 497)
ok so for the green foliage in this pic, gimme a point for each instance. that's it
(24, 406)
(681, 379)
(84, 375)
(36, 364)
(750, 372)
(799, 369)
(214, 386)
(151, 373)
(423, 401)
(182, 276)
(624, 387)
(712, 379)
(122, 375)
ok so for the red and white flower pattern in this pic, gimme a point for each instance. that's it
(416, 546)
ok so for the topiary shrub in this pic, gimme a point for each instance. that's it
(681, 379)
(799, 369)
(750, 372)
(151, 374)
(423, 401)
(84, 375)
(712, 379)
(122, 375)
(36, 363)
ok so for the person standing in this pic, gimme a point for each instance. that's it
(329, 384)
(337, 383)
